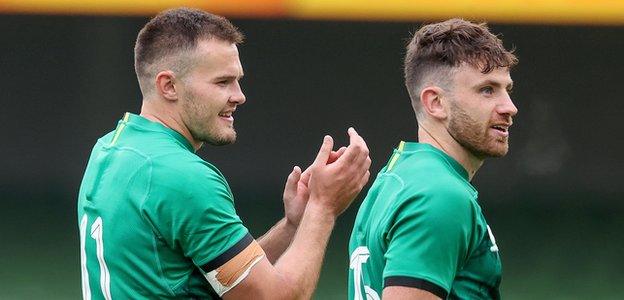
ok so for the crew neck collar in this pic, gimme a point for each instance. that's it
(149, 124)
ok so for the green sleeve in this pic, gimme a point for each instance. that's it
(193, 211)
(428, 238)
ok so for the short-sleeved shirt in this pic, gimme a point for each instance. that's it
(421, 226)
(157, 221)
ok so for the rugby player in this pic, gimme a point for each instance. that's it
(420, 233)
(158, 222)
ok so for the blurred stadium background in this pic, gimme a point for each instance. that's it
(314, 67)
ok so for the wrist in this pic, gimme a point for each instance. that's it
(289, 224)
(320, 211)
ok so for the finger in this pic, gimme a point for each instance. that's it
(356, 147)
(336, 154)
(303, 190)
(364, 154)
(323, 154)
(366, 164)
(296, 173)
(339, 152)
(291, 182)
(354, 137)
(360, 167)
(305, 176)
(364, 180)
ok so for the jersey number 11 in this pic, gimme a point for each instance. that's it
(96, 234)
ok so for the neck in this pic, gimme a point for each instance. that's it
(151, 111)
(447, 144)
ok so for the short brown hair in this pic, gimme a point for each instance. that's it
(177, 30)
(438, 48)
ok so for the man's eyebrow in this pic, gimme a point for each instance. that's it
(229, 77)
(495, 83)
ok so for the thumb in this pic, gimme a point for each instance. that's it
(323, 154)
(305, 177)
(291, 183)
(353, 135)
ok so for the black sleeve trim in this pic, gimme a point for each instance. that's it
(228, 254)
(416, 283)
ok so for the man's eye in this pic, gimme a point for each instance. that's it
(487, 90)
(222, 82)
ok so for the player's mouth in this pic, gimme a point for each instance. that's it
(502, 129)
(227, 115)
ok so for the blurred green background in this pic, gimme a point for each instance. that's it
(555, 203)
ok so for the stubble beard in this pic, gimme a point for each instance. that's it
(204, 127)
(474, 136)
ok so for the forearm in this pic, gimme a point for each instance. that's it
(296, 273)
(275, 241)
(301, 264)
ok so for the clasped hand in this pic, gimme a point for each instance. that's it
(333, 180)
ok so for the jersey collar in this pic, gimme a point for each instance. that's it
(412, 146)
(146, 123)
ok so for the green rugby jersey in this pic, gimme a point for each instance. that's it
(421, 226)
(154, 218)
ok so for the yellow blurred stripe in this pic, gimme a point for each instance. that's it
(506, 11)
(509, 11)
(150, 7)
(96, 7)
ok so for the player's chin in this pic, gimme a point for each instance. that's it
(222, 139)
(499, 149)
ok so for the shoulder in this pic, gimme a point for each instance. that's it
(430, 187)
(105, 139)
(185, 185)
(436, 209)
(421, 165)
(438, 199)
(426, 173)
(102, 142)
(422, 182)
(186, 169)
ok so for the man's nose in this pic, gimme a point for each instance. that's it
(507, 107)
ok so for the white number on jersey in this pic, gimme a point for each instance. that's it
(493, 248)
(96, 234)
(359, 257)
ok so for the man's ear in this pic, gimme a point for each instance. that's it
(165, 85)
(431, 102)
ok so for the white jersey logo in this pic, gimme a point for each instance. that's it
(493, 248)
(359, 257)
